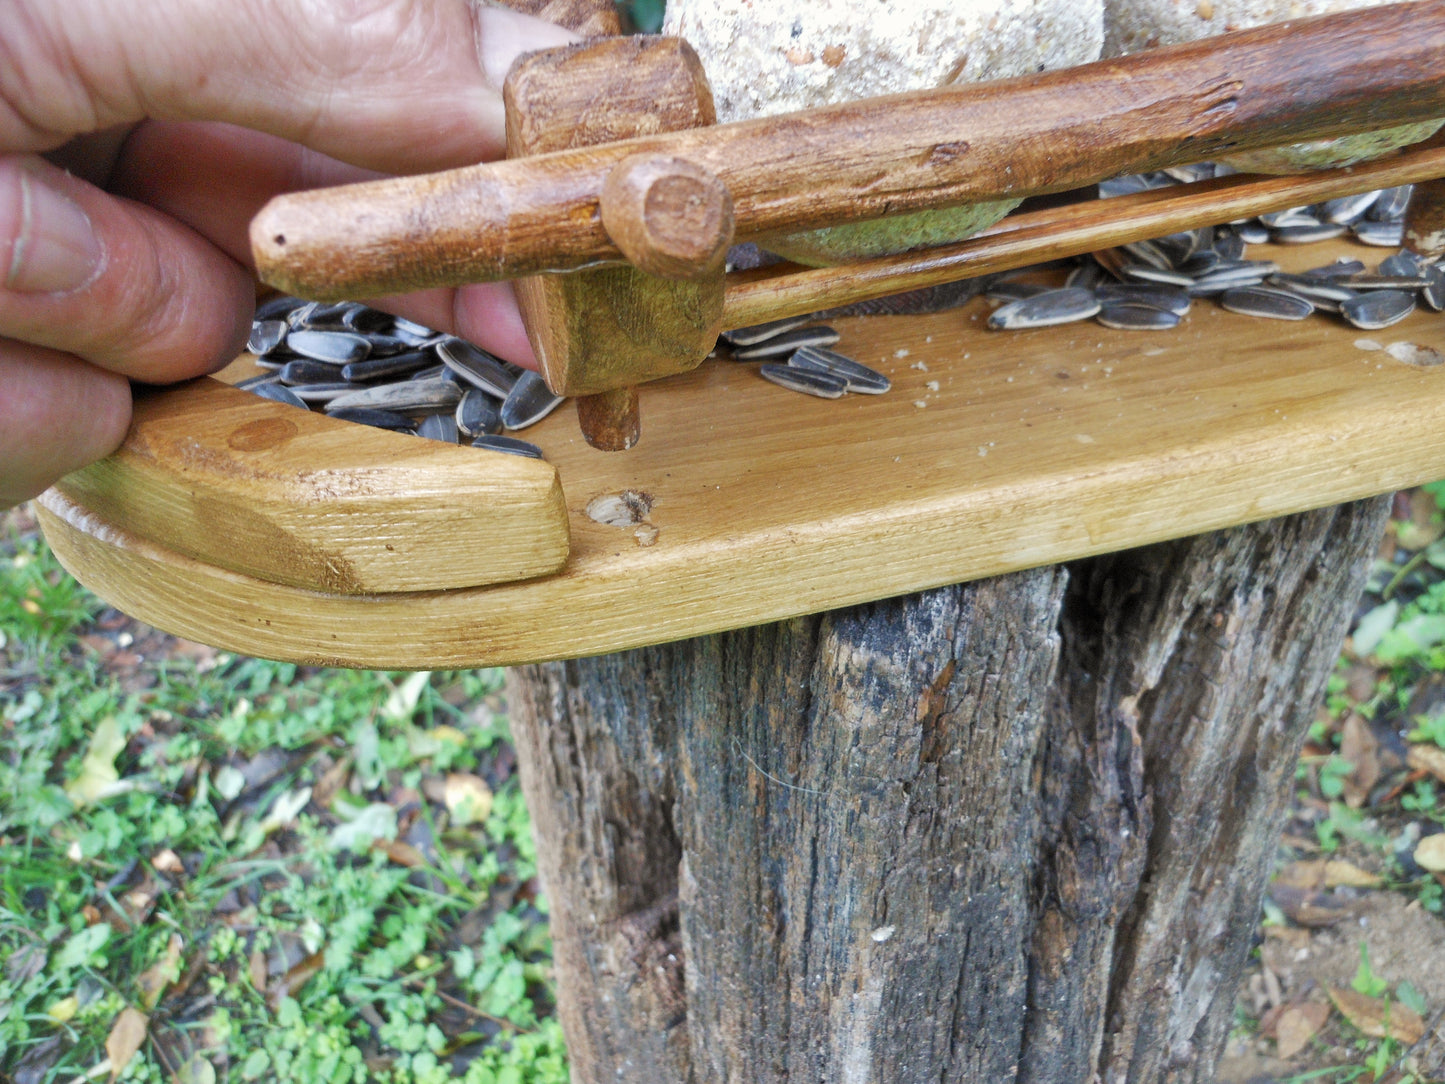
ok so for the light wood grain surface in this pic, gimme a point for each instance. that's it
(296, 497)
(994, 451)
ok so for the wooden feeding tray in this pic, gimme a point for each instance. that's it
(258, 528)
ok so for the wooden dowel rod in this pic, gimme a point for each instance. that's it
(773, 293)
(1305, 79)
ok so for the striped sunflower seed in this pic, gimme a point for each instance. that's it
(442, 427)
(1170, 298)
(1391, 203)
(405, 397)
(1378, 308)
(1270, 304)
(1347, 209)
(266, 336)
(478, 413)
(510, 445)
(1380, 234)
(1434, 292)
(748, 336)
(309, 372)
(277, 393)
(529, 401)
(822, 385)
(782, 345)
(381, 368)
(1062, 306)
(477, 367)
(322, 393)
(857, 376)
(380, 419)
(337, 347)
(1134, 316)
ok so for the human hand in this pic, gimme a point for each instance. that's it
(178, 120)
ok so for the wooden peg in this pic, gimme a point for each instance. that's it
(609, 329)
(670, 217)
(590, 18)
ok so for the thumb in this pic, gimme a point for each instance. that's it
(392, 85)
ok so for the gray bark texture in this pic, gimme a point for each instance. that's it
(1009, 831)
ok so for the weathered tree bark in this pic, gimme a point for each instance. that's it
(1013, 830)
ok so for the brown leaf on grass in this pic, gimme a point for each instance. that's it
(401, 853)
(1339, 872)
(1308, 908)
(1427, 758)
(1359, 746)
(167, 861)
(294, 979)
(154, 979)
(126, 1035)
(256, 970)
(331, 781)
(1297, 1025)
(1377, 1017)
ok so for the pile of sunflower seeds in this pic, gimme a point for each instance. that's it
(1149, 285)
(806, 365)
(362, 365)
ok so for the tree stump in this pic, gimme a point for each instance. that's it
(1012, 830)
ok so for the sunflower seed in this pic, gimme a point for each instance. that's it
(478, 413)
(1391, 203)
(310, 372)
(1316, 289)
(1378, 281)
(1087, 275)
(442, 427)
(476, 367)
(1378, 308)
(748, 336)
(529, 401)
(857, 376)
(1271, 304)
(781, 345)
(1290, 216)
(1169, 298)
(510, 445)
(1304, 234)
(1133, 316)
(1229, 244)
(251, 381)
(278, 393)
(297, 317)
(1380, 234)
(1149, 253)
(437, 372)
(381, 419)
(266, 335)
(1346, 209)
(1340, 269)
(1252, 233)
(380, 368)
(367, 321)
(1144, 273)
(1401, 263)
(1434, 292)
(322, 393)
(822, 385)
(1061, 306)
(412, 333)
(1202, 262)
(405, 397)
(337, 347)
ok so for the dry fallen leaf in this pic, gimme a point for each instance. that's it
(1339, 872)
(1430, 853)
(400, 852)
(1377, 1017)
(1317, 873)
(294, 979)
(167, 861)
(1297, 1025)
(1306, 908)
(98, 776)
(154, 979)
(1359, 746)
(1427, 758)
(126, 1035)
(467, 797)
(256, 970)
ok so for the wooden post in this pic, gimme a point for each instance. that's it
(1014, 830)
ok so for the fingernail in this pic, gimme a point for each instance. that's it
(53, 245)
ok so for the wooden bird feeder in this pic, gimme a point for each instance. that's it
(258, 528)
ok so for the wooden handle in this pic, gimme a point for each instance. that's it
(670, 217)
(1306, 79)
(783, 290)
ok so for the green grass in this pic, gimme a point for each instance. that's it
(264, 861)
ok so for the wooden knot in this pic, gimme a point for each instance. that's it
(670, 217)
